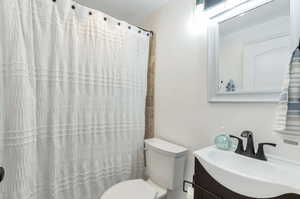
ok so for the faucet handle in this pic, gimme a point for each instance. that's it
(240, 147)
(246, 134)
(1, 173)
(261, 152)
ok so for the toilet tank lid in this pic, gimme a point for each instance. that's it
(165, 147)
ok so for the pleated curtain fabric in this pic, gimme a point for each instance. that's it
(150, 102)
(288, 115)
(73, 86)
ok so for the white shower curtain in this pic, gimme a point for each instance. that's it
(72, 100)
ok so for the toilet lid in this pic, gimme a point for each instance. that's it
(131, 189)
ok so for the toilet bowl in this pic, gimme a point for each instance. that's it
(165, 165)
(135, 189)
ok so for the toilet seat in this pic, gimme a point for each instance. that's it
(131, 189)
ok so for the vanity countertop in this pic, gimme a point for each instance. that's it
(251, 177)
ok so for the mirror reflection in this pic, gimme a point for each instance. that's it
(254, 49)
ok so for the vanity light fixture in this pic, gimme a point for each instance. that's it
(205, 4)
(209, 3)
(199, 4)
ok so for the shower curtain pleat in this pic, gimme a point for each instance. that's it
(72, 100)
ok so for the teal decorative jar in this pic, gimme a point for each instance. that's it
(223, 142)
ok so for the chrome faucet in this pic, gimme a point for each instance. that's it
(250, 150)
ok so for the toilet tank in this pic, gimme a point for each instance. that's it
(165, 163)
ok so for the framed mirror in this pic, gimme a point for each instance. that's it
(249, 49)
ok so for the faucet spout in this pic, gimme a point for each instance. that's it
(250, 151)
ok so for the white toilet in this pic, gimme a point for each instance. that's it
(165, 166)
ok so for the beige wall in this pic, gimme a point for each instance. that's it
(183, 114)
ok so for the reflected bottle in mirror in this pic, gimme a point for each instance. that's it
(230, 86)
(222, 87)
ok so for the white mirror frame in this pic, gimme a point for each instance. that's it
(213, 58)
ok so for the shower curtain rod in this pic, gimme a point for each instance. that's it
(148, 31)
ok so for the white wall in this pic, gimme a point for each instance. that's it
(183, 114)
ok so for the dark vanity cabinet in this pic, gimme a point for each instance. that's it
(206, 187)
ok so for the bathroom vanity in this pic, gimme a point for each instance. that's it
(206, 187)
(227, 175)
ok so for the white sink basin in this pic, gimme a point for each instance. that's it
(251, 177)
